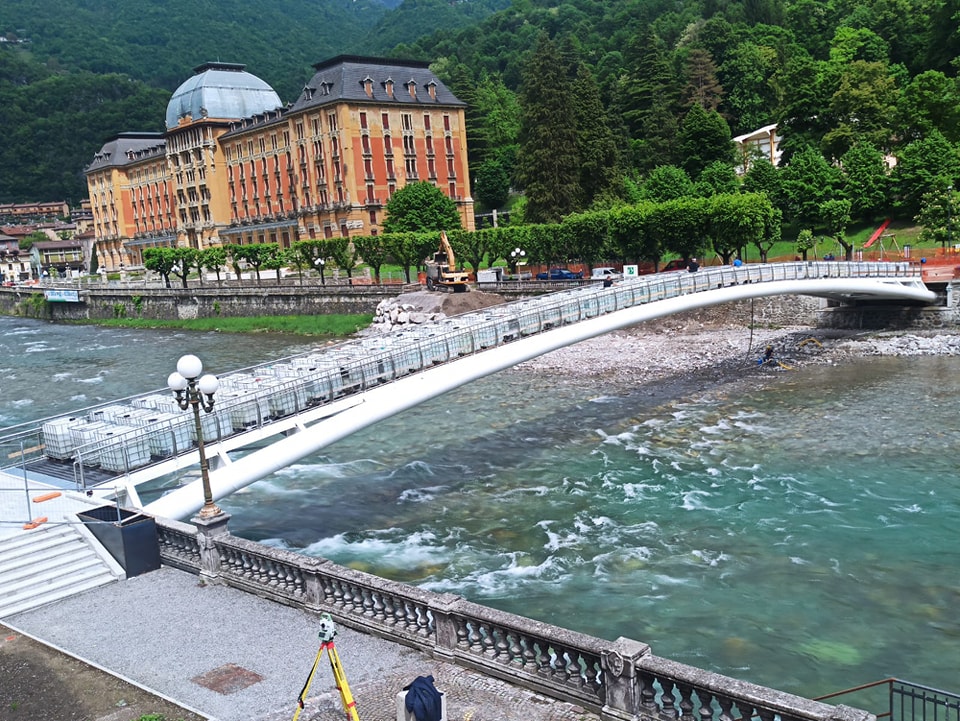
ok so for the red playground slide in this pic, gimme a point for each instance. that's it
(877, 233)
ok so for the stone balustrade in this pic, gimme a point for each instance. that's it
(620, 680)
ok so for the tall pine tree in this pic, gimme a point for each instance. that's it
(548, 164)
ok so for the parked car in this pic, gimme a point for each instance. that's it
(560, 274)
(606, 274)
(675, 264)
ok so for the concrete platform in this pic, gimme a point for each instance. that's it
(235, 657)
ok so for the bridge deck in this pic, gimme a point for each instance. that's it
(146, 437)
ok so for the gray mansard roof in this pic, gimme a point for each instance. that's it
(347, 78)
(126, 148)
(221, 90)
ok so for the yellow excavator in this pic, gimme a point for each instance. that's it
(442, 270)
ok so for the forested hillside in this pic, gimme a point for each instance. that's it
(62, 67)
(581, 104)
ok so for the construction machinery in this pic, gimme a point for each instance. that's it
(442, 270)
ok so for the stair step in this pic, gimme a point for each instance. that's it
(62, 584)
(43, 535)
(10, 607)
(39, 578)
(26, 556)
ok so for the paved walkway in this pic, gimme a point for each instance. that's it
(235, 657)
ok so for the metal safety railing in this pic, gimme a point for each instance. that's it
(100, 443)
(899, 700)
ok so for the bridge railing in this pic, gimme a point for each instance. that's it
(118, 438)
(620, 680)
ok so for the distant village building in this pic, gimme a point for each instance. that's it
(236, 166)
(57, 258)
(18, 211)
(14, 263)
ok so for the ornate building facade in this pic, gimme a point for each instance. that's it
(235, 166)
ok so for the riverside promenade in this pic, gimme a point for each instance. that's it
(233, 656)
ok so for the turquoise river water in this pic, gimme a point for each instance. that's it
(799, 533)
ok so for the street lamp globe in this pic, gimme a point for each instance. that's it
(176, 382)
(190, 367)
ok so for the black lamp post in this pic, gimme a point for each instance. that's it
(517, 255)
(320, 263)
(193, 391)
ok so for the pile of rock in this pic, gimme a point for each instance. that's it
(395, 314)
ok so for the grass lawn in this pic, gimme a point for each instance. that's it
(336, 326)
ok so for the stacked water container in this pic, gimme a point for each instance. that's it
(122, 447)
(85, 438)
(167, 433)
(57, 437)
(239, 399)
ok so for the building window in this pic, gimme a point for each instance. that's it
(426, 121)
(446, 123)
(406, 121)
(363, 121)
(385, 120)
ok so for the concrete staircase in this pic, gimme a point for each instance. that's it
(49, 563)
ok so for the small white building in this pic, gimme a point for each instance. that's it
(763, 141)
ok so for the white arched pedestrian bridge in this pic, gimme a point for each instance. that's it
(302, 404)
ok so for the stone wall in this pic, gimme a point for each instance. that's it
(197, 302)
(267, 299)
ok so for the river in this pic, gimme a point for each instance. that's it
(800, 533)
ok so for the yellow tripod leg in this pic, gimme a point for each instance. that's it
(306, 687)
(349, 705)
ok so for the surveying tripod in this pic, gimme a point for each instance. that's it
(327, 632)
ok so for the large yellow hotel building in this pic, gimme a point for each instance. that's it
(237, 166)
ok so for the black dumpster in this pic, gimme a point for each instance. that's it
(129, 536)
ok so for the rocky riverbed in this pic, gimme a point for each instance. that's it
(681, 344)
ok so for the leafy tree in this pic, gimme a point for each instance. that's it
(806, 241)
(704, 138)
(213, 259)
(718, 178)
(836, 217)
(748, 73)
(493, 122)
(344, 253)
(762, 177)
(807, 182)
(373, 251)
(491, 184)
(931, 101)
(160, 260)
(256, 254)
(681, 226)
(737, 221)
(631, 235)
(939, 211)
(420, 207)
(863, 108)
(184, 261)
(667, 183)
(864, 180)
(277, 261)
(926, 163)
(548, 164)
(410, 249)
(471, 248)
(585, 235)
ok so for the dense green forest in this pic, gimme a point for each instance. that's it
(581, 104)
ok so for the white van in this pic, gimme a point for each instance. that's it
(606, 274)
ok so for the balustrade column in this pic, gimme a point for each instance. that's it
(622, 699)
(445, 622)
(209, 531)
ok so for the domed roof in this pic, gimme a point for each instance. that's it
(221, 90)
